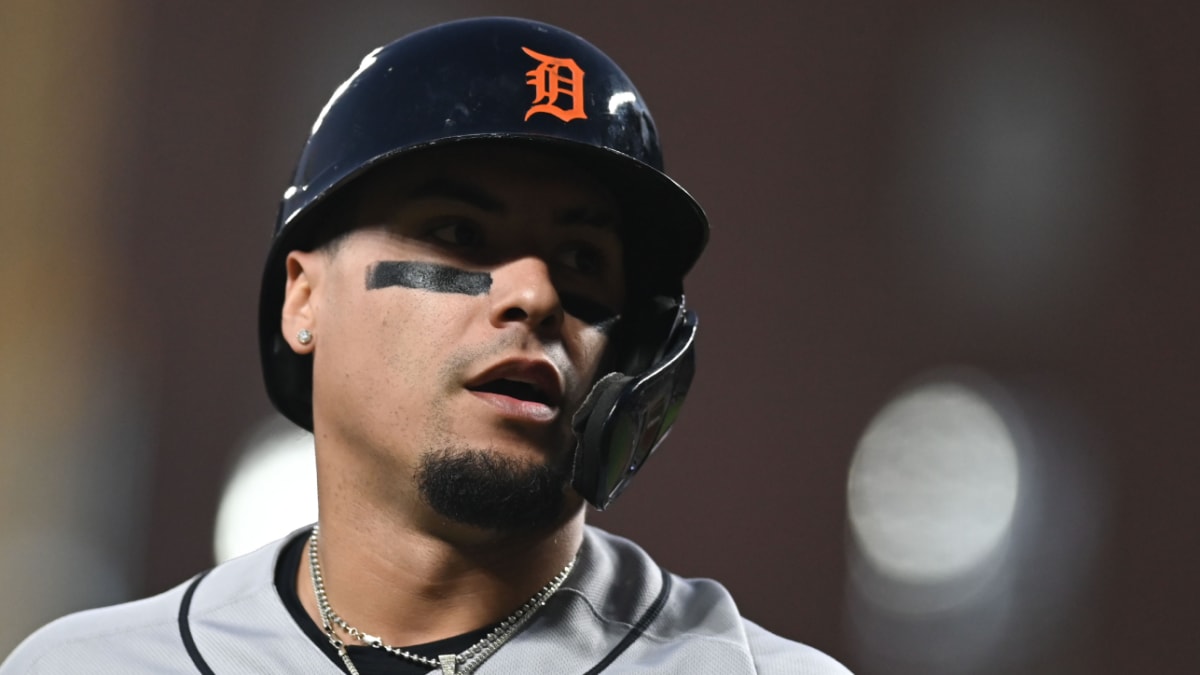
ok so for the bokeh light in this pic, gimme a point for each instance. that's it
(271, 491)
(975, 509)
(933, 485)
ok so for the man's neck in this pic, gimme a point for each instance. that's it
(410, 585)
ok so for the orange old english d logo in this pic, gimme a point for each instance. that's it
(553, 79)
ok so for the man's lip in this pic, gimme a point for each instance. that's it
(539, 373)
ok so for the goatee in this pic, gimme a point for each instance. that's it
(487, 490)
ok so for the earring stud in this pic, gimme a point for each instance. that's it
(304, 336)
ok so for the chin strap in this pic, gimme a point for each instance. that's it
(626, 416)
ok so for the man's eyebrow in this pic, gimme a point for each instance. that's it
(448, 188)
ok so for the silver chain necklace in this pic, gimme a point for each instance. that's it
(461, 663)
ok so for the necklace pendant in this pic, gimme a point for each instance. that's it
(449, 665)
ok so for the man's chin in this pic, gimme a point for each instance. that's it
(491, 490)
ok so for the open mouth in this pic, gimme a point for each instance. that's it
(523, 391)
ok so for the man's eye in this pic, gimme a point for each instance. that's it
(583, 258)
(458, 233)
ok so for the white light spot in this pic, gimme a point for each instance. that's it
(290, 192)
(933, 484)
(272, 491)
(619, 99)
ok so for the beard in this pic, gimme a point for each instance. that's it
(489, 491)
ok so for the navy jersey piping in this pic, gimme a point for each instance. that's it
(185, 628)
(640, 627)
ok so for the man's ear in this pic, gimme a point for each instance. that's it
(299, 315)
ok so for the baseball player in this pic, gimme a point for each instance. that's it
(474, 300)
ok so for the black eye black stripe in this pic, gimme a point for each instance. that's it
(427, 277)
(446, 279)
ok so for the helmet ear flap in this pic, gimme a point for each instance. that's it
(628, 414)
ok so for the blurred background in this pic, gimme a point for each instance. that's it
(946, 417)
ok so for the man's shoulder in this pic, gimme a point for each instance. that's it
(147, 635)
(102, 639)
(776, 654)
(698, 621)
(703, 611)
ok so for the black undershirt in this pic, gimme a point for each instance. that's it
(368, 660)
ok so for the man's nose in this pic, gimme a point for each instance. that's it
(523, 291)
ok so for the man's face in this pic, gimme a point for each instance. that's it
(460, 325)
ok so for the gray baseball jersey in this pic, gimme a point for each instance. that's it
(617, 612)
